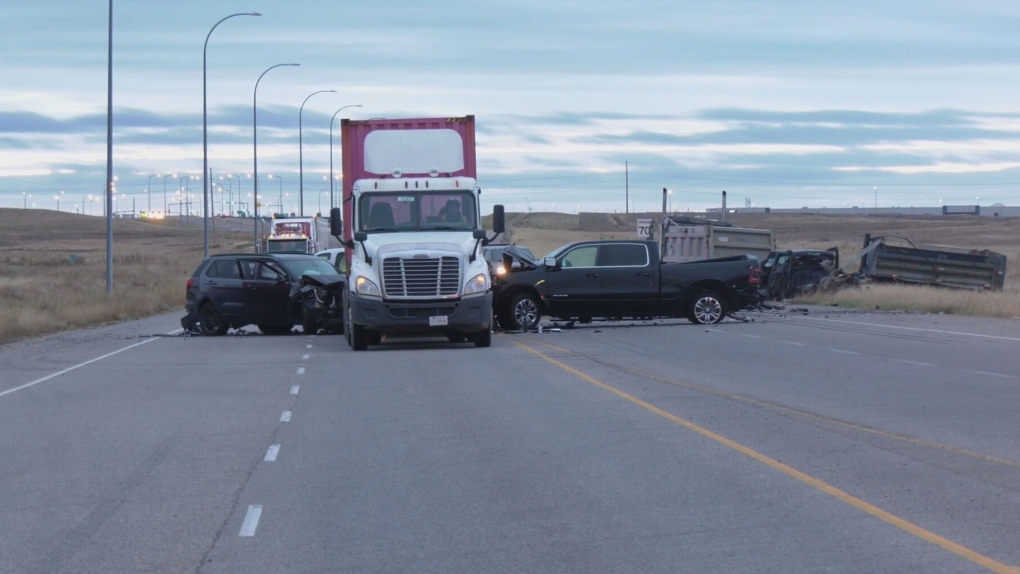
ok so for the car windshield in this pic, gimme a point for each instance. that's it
(309, 266)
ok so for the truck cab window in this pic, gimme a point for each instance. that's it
(580, 257)
(623, 255)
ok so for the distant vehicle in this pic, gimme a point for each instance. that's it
(494, 256)
(270, 291)
(621, 279)
(335, 256)
(291, 235)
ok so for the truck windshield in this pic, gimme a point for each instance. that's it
(417, 211)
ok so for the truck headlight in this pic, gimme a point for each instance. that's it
(364, 286)
(478, 284)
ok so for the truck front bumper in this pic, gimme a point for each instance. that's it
(465, 315)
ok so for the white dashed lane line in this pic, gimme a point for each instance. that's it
(795, 343)
(251, 520)
(271, 454)
(285, 417)
(294, 390)
(305, 357)
(844, 352)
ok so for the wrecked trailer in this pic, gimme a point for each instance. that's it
(939, 266)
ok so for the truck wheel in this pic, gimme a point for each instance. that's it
(706, 308)
(523, 313)
(482, 338)
(210, 322)
(358, 337)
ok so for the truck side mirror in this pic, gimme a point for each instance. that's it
(498, 219)
(550, 263)
(336, 224)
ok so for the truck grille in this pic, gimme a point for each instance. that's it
(421, 278)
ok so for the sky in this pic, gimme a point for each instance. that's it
(589, 105)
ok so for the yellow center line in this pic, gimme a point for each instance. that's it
(923, 534)
(792, 411)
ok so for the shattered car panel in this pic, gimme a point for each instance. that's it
(788, 273)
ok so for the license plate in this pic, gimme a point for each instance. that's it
(437, 321)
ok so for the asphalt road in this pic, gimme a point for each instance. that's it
(795, 442)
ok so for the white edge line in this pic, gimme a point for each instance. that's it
(251, 520)
(80, 365)
(913, 329)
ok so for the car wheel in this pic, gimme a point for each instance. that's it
(210, 321)
(309, 321)
(482, 338)
(706, 308)
(523, 312)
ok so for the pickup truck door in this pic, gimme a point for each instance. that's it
(267, 293)
(576, 287)
(630, 283)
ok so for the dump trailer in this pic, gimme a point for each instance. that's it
(978, 269)
(689, 239)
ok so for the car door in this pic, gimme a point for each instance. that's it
(222, 284)
(630, 284)
(266, 293)
(574, 288)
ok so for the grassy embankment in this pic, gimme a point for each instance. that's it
(53, 265)
(53, 269)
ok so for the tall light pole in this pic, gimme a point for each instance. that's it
(301, 162)
(25, 195)
(148, 191)
(280, 179)
(173, 175)
(331, 178)
(255, 146)
(205, 139)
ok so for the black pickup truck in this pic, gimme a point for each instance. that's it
(620, 279)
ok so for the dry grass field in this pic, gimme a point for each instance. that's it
(53, 264)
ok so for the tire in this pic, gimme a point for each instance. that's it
(210, 321)
(309, 321)
(456, 337)
(275, 329)
(482, 338)
(706, 308)
(523, 313)
(358, 337)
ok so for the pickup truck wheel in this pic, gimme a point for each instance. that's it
(210, 322)
(706, 308)
(523, 312)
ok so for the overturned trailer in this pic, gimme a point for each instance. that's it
(955, 267)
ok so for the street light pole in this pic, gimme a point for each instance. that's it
(280, 179)
(301, 162)
(255, 146)
(148, 192)
(205, 139)
(331, 178)
(173, 175)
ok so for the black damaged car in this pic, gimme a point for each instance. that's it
(275, 292)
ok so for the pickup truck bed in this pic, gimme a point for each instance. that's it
(620, 279)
